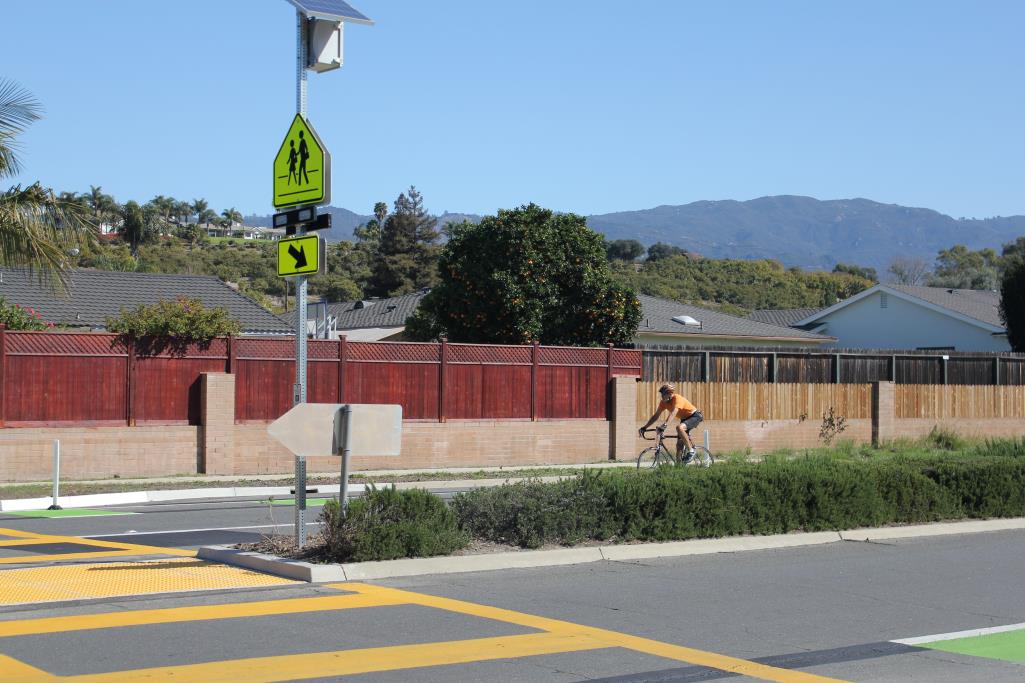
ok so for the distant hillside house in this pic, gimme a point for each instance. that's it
(366, 320)
(906, 317)
(94, 295)
(668, 322)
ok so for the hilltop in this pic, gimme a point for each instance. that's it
(798, 231)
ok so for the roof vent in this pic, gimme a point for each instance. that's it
(686, 320)
(362, 304)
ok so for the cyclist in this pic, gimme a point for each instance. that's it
(690, 417)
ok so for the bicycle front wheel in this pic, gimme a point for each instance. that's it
(702, 456)
(653, 457)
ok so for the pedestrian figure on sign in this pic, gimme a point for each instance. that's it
(292, 157)
(304, 154)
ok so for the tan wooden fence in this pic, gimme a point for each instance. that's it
(941, 402)
(735, 401)
(759, 401)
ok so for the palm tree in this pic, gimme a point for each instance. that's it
(230, 216)
(37, 228)
(182, 211)
(199, 207)
(164, 208)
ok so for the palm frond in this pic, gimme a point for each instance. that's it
(37, 230)
(18, 109)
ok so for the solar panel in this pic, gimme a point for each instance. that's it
(337, 10)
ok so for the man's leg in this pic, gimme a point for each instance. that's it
(686, 437)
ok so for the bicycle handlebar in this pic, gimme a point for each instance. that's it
(661, 430)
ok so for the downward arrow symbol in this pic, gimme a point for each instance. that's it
(298, 254)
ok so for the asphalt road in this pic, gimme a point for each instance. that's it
(183, 524)
(187, 524)
(823, 610)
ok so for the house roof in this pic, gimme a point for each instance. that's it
(784, 317)
(657, 317)
(981, 307)
(354, 315)
(93, 295)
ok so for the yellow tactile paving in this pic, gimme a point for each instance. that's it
(118, 579)
(556, 637)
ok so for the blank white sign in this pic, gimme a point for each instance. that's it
(316, 429)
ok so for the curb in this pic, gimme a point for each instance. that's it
(269, 564)
(363, 571)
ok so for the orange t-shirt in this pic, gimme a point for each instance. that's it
(679, 405)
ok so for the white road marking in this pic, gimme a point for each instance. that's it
(189, 531)
(921, 640)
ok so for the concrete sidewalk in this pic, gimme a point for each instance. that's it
(217, 489)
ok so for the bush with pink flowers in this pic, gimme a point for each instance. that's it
(17, 317)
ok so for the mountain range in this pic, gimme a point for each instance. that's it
(798, 231)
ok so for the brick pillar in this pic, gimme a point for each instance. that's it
(884, 419)
(623, 434)
(217, 439)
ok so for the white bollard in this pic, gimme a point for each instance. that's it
(56, 474)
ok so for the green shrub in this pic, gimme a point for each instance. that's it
(15, 317)
(984, 487)
(945, 439)
(908, 496)
(1004, 448)
(531, 513)
(387, 524)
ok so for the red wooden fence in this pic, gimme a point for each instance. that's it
(63, 379)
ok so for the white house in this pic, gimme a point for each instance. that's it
(906, 317)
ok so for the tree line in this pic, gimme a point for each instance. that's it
(522, 275)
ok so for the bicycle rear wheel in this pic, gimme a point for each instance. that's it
(702, 457)
(653, 457)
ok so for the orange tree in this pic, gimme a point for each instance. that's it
(526, 274)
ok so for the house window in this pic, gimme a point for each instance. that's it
(884, 300)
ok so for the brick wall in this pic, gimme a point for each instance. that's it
(99, 452)
(460, 443)
(763, 436)
(217, 405)
(994, 428)
(222, 447)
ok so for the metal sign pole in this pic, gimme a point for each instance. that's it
(56, 474)
(299, 395)
(300, 501)
(300, 299)
(346, 443)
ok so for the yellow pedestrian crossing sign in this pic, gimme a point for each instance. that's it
(300, 255)
(302, 168)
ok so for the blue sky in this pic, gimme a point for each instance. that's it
(589, 106)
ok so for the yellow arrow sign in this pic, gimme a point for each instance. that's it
(299, 256)
(302, 167)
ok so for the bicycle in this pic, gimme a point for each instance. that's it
(658, 455)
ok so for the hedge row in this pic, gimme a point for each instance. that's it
(809, 494)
